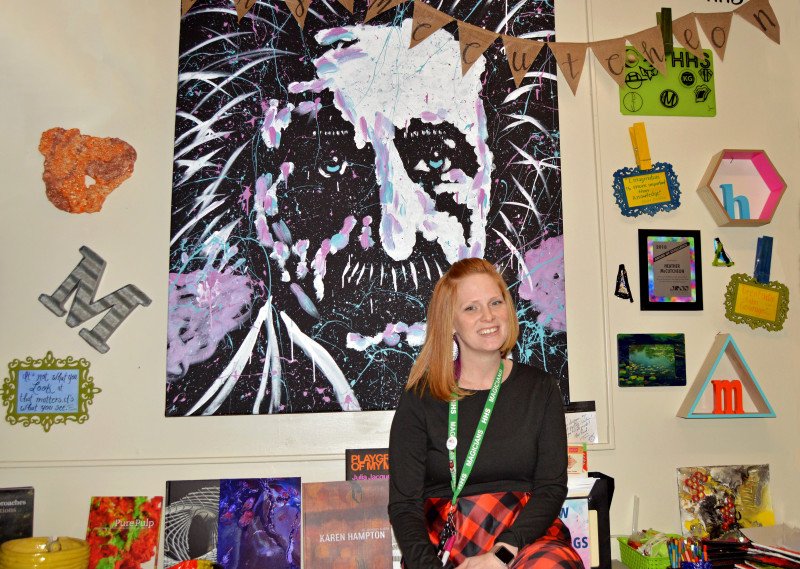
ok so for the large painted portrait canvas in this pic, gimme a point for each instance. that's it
(325, 178)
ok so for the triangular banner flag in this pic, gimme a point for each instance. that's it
(379, 7)
(426, 21)
(473, 42)
(570, 58)
(611, 55)
(761, 15)
(243, 7)
(685, 31)
(721, 258)
(716, 26)
(650, 43)
(299, 9)
(623, 288)
(348, 4)
(186, 5)
(520, 54)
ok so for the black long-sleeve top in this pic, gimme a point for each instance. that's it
(524, 449)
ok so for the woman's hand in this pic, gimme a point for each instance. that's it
(487, 560)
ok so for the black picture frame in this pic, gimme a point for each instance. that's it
(670, 269)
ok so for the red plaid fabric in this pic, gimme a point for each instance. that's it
(480, 519)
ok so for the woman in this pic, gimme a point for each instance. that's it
(465, 400)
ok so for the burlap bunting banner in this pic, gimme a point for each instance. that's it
(376, 7)
(520, 54)
(299, 9)
(570, 57)
(186, 5)
(650, 43)
(762, 16)
(348, 4)
(243, 7)
(685, 31)
(473, 41)
(611, 56)
(425, 22)
(716, 28)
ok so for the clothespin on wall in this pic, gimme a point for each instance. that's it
(664, 21)
(763, 259)
(641, 150)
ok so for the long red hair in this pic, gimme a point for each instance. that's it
(434, 369)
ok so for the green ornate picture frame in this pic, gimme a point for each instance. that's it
(759, 305)
(48, 391)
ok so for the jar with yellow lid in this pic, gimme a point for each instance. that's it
(44, 553)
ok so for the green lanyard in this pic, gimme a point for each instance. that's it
(477, 438)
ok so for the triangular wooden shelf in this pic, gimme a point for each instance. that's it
(724, 346)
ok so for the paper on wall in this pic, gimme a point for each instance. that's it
(581, 420)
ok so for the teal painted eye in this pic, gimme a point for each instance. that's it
(436, 162)
(332, 166)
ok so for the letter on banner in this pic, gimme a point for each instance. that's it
(761, 15)
(611, 55)
(473, 41)
(521, 54)
(299, 9)
(570, 58)
(650, 43)
(685, 30)
(243, 7)
(379, 7)
(716, 26)
(426, 21)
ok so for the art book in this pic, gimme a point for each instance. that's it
(575, 515)
(371, 464)
(366, 463)
(259, 523)
(191, 516)
(347, 525)
(16, 513)
(717, 499)
(123, 531)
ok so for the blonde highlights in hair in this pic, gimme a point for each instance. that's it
(434, 368)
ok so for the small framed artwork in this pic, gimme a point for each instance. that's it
(670, 271)
(649, 360)
(48, 391)
(759, 305)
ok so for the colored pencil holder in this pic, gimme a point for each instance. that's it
(695, 564)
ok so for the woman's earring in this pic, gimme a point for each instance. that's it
(455, 349)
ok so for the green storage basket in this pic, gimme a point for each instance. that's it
(635, 560)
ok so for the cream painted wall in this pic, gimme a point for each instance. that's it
(109, 68)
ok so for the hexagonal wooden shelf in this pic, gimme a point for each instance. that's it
(751, 175)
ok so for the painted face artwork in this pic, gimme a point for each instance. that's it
(324, 180)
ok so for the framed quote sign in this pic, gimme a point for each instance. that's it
(650, 191)
(759, 305)
(48, 391)
(670, 272)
